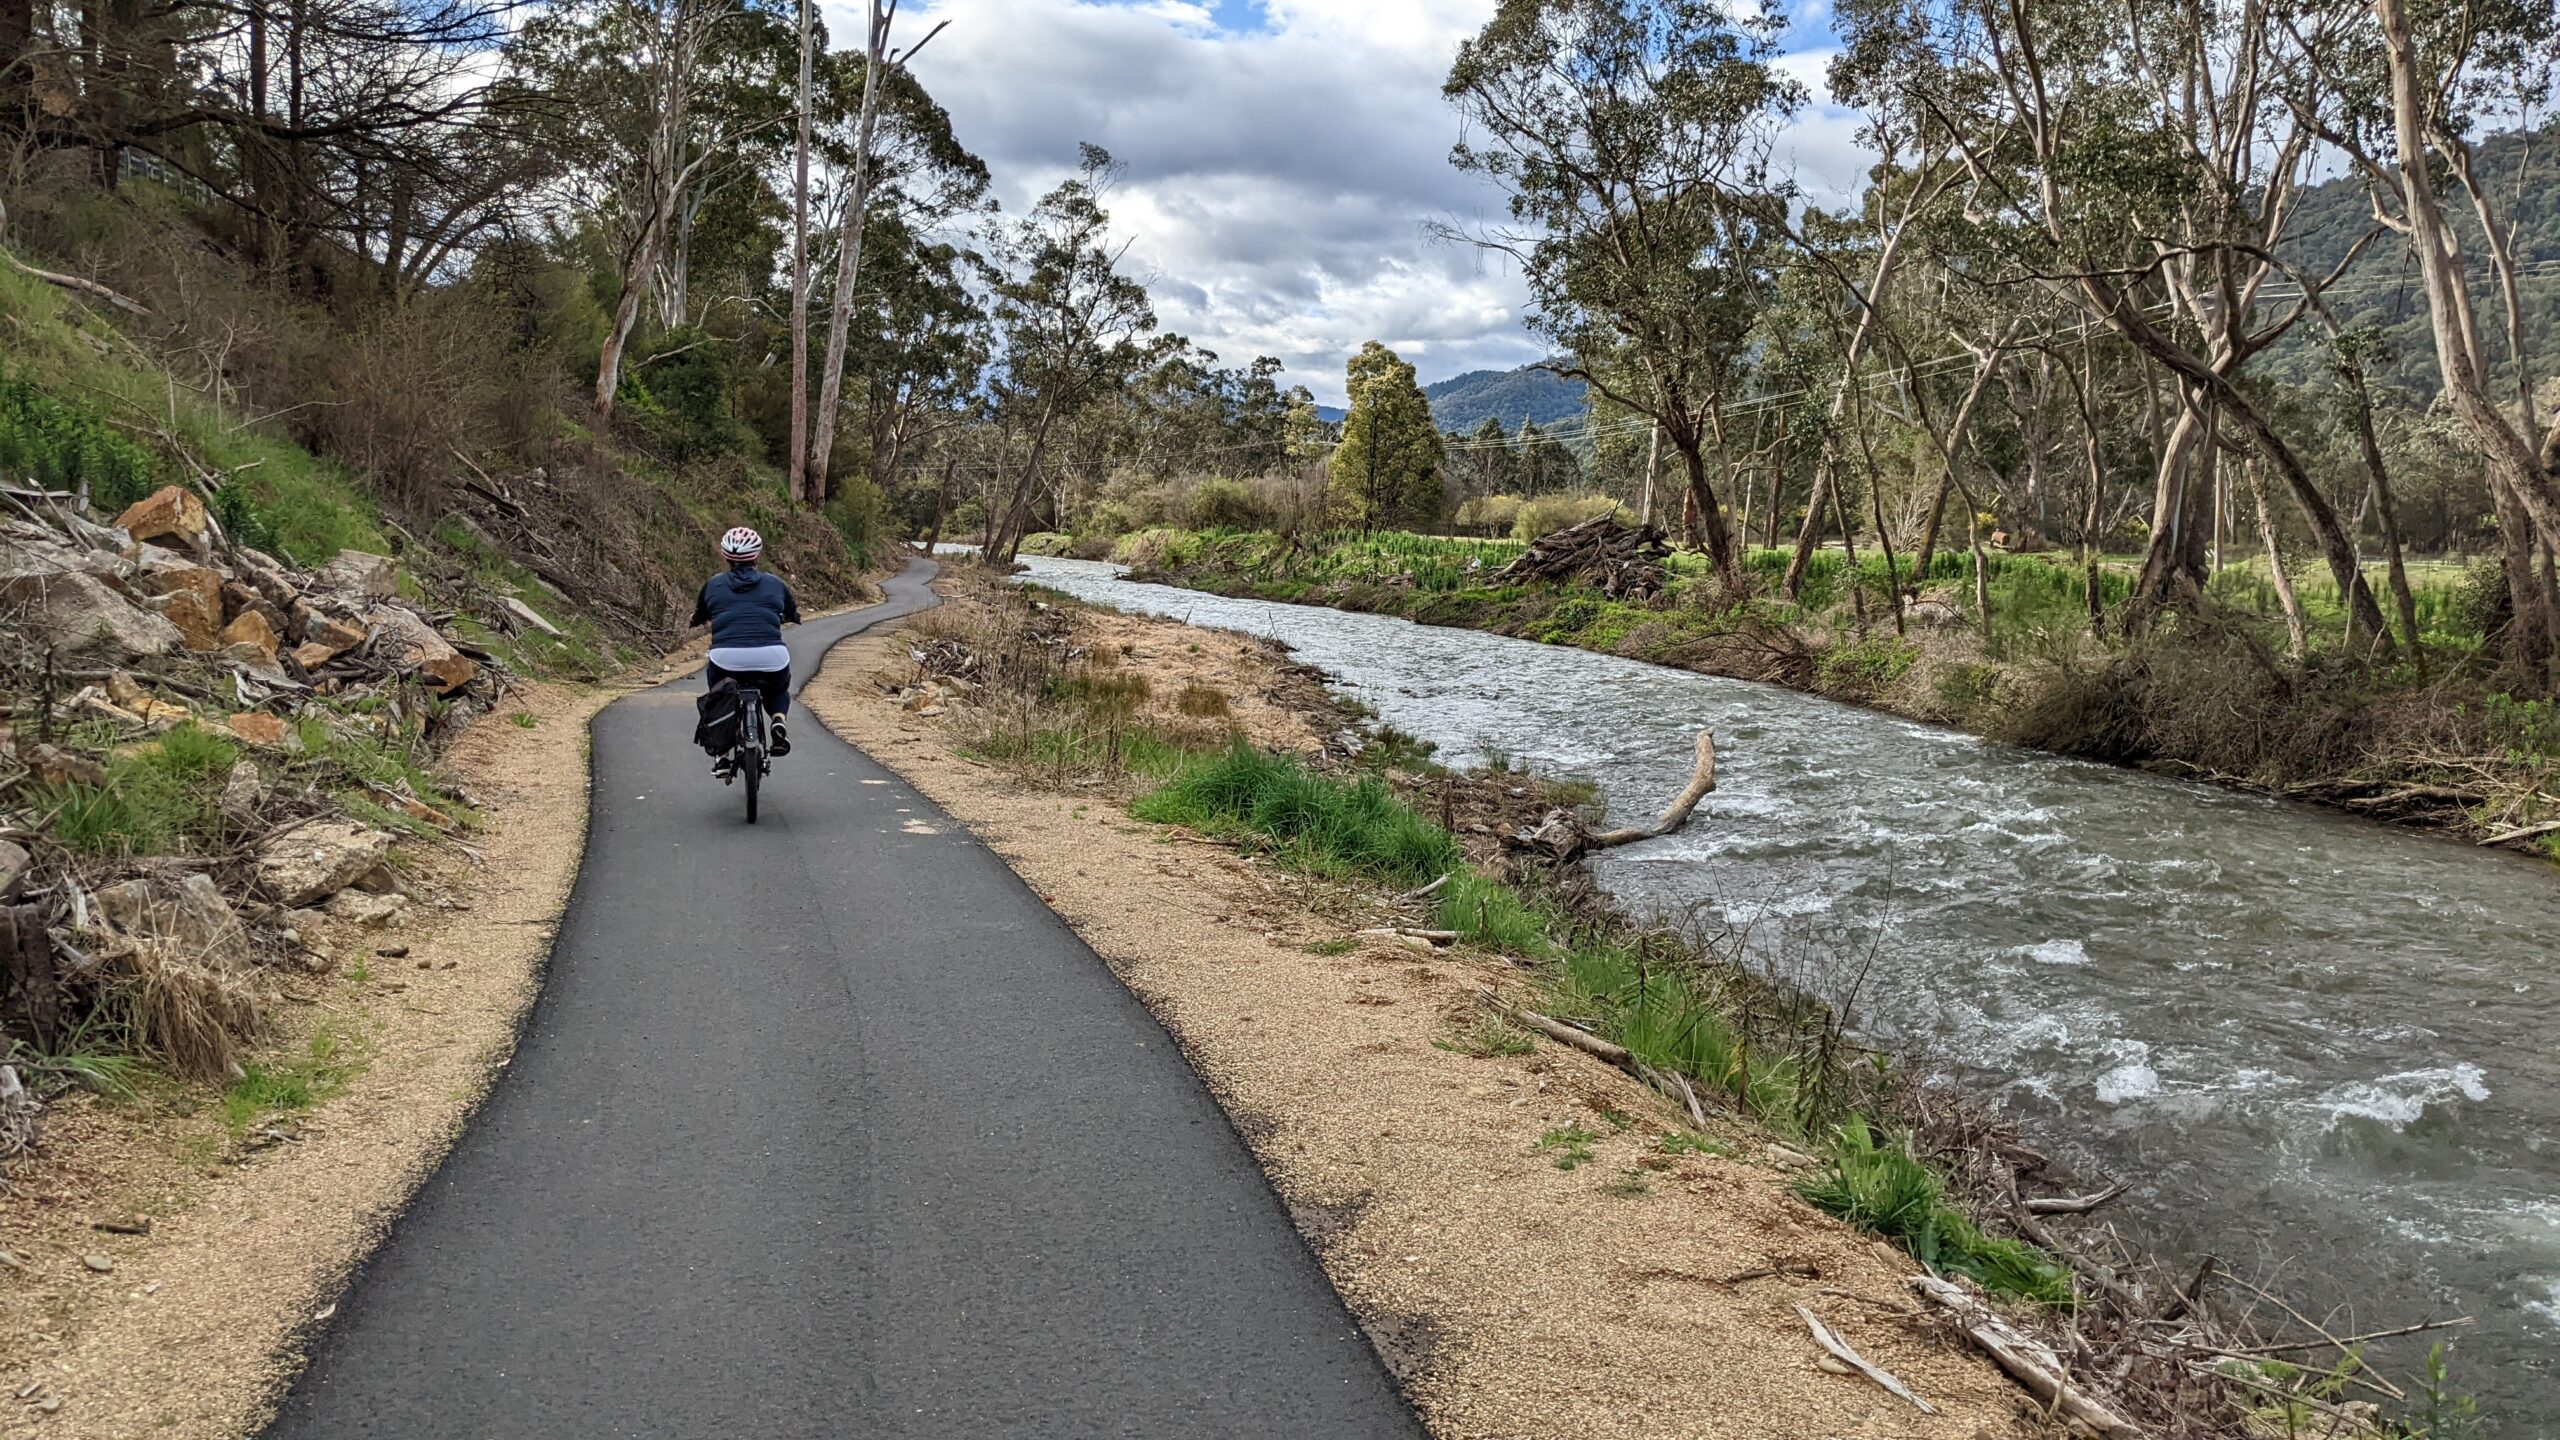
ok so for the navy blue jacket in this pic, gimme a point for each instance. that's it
(745, 608)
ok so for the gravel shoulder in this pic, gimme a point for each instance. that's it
(197, 1324)
(1512, 1297)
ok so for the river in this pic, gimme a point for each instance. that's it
(2321, 1049)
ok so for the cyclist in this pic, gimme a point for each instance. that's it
(746, 609)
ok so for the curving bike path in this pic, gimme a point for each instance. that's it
(827, 1127)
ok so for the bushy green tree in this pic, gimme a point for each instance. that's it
(1386, 471)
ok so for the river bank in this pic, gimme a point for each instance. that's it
(1522, 1230)
(2215, 703)
(2308, 1043)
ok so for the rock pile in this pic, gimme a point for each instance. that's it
(162, 582)
(111, 636)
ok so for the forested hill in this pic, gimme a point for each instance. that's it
(1462, 402)
(2382, 293)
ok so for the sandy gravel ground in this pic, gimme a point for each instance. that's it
(193, 1330)
(1515, 1299)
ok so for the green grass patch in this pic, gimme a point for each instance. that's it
(1567, 1147)
(1883, 1188)
(1689, 1142)
(1491, 914)
(1336, 827)
(295, 1080)
(1487, 1037)
(159, 800)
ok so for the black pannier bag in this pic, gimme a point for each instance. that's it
(716, 727)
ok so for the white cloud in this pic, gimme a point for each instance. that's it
(1282, 162)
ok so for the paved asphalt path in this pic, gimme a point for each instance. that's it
(827, 1127)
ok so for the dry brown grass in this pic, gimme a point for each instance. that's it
(191, 1017)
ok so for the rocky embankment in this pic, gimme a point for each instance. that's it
(205, 750)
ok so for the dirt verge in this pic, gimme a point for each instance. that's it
(195, 1324)
(1513, 1231)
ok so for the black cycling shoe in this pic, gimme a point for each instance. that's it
(781, 745)
(725, 769)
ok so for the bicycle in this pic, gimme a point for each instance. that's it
(749, 758)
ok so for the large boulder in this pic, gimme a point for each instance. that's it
(418, 647)
(170, 514)
(317, 861)
(76, 611)
(373, 577)
(189, 913)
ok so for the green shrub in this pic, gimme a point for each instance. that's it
(1108, 519)
(60, 447)
(1353, 827)
(1549, 513)
(679, 393)
(1867, 666)
(1223, 504)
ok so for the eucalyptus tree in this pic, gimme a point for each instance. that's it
(2136, 162)
(2402, 89)
(1633, 137)
(1072, 328)
(652, 98)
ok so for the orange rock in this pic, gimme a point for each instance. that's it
(251, 629)
(259, 728)
(167, 513)
(311, 655)
(199, 623)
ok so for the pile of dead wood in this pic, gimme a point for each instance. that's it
(1623, 562)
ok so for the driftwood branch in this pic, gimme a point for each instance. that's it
(2075, 1204)
(1561, 835)
(1841, 1352)
(2027, 1361)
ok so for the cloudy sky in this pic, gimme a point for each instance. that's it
(1283, 159)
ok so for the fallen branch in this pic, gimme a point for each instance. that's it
(1841, 1352)
(1407, 932)
(2522, 832)
(2075, 1204)
(2026, 1360)
(1580, 1039)
(85, 287)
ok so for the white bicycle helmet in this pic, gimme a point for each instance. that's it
(741, 544)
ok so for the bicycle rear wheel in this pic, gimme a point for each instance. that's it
(751, 755)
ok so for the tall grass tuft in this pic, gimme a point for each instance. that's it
(156, 801)
(1882, 1187)
(1340, 827)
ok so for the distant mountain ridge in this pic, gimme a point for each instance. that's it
(1462, 402)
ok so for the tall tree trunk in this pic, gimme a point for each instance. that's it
(1653, 463)
(1777, 485)
(849, 258)
(1929, 527)
(1871, 306)
(2386, 511)
(1710, 515)
(798, 474)
(2174, 565)
(2296, 641)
